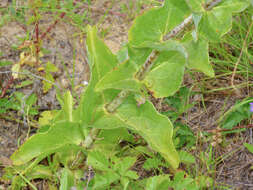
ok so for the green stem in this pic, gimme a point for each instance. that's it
(118, 100)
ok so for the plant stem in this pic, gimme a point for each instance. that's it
(118, 100)
(153, 55)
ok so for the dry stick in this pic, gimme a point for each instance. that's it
(34, 75)
(214, 131)
(52, 26)
(240, 56)
(112, 106)
(10, 81)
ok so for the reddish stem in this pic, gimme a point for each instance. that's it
(234, 128)
(51, 26)
(11, 80)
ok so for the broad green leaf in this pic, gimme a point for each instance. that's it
(166, 78)
(103, 120)
(71, 156)
(67, 103)
(98, 161)
(67, 106)
(101, 61)
(45, 117)
(122, 54)
(155, 23)
(123, 165)
(169, 45)
(198, 55)
(218, 21)
(47, 143)
(40, 172)
(181, 182)
(109, 140)
(138, 56)
(121, 77)
(155, 128)
(125, 182)
(67, 179)
(160, 182)
(249, 147)
(196, 5)
(91, 108)
(102, 181)
(186, 157)
(234, 6)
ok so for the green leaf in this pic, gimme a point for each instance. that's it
(239, 112)
(169, 45)
(98, 161)
(47, 85)
(217, 22)
(180, 182)
(123, 165)
(5, 63)
(234, 6)
(165, 79)
(47, 143)
(67, 179)
(101, 61)
(91, 108)
(153, 163)
(155, 23)
(249, 147)
(121, 77)
(70, 156)
(45, 117)
(198, 55)
(104, 180)
(186, 157)
(24, 83)
(196, 5)
(67, 106)
(155, 128)
(138, 56)
(160, 182)
(51, 67)
(40, 172)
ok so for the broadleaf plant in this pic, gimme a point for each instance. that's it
(153, 62)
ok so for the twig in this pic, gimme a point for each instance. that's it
(51, 26)
(29, 73)
(147, 65)
(178, 28)
(11, 80)
(37, 40)
(224, 130)
(116, 102)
